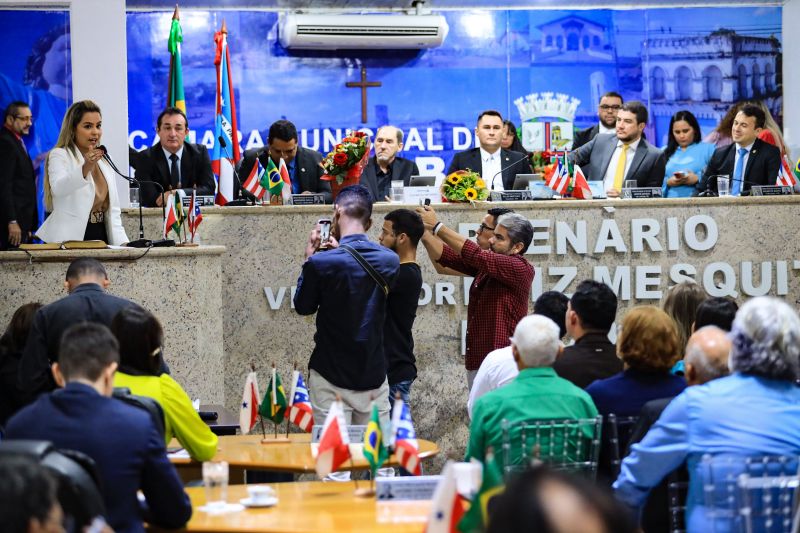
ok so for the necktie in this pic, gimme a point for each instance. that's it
(738, 173)
(174, 176)
(619, 174)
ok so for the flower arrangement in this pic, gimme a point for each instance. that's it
(464, 186)
(347, 159)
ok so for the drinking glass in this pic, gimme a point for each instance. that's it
(215, 480)
(626, 188)
(723, 185)
(396, 193)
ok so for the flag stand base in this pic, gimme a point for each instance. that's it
(275, 440)
(364, 493)
(187, 245)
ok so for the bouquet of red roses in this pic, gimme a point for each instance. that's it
(347, 159)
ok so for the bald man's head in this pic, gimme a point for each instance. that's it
(707, 354)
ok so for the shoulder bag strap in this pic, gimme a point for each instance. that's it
(366, 266)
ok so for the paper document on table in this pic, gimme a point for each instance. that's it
(178, 454)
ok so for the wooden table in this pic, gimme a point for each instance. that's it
(246, 452)
(311, 506)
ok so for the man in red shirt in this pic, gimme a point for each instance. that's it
(500, 292)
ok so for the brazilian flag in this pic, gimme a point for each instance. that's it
(476, 519)
(272, 179)
(374, 450)
(176, 97)
(274, 404)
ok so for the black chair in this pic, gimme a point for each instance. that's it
(143, 402)
(616, 438)
(79, 490)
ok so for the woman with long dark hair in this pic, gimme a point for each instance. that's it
(687, 156)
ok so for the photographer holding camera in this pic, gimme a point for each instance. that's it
(346, 285)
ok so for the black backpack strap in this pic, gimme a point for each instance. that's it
(374, 274)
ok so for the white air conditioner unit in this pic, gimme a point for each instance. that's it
(330, 32)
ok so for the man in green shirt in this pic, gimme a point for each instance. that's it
(537, 393)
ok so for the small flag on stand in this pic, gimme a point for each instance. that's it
(253, 182)
(248, 410)
(448, 505)
(334, 443)
(374, 450)
(195, 216)
(300, 412)
(559, 180)
(785, 175)
(286, 190)
(274, 404)
(477, 517)
(580, 187)
(404, 438)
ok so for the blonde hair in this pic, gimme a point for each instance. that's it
(772, 126)
(648, 340)
(681, 305)
(66, 140)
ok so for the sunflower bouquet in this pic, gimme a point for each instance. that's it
(464, 186)
(347, 159)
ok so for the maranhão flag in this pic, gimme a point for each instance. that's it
(334, 444)
(175, 96)
(404, 438)
(225, 121)
(300, 412)
(248, 410)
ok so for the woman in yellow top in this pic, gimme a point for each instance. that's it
(140, 337)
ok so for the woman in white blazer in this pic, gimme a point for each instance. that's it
(80, 188)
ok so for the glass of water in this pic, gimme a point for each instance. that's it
(215, 480)
(396, 191)
(626, 188)
(723, 185)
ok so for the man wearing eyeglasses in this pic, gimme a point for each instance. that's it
(18, 212)
(610, 104)
(302, 163)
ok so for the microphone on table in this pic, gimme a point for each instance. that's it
(141, 242)
(523, 158)
(242, 190)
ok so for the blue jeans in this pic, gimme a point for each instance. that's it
(404, 388)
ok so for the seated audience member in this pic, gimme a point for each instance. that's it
(385, 166)
(29, 493)
(754, 411)
(548, 501)
(748, 161)
(686, 155)
(615, 159)
(648, 346)
(497, 166)
(172, 162)
(536, 393)
(87, 301)
(128, 451)
(302, 163)
(607, 109)
(140, 338)
(510, 140)
(718, 311)
(721, 136)
(499, 367)
(12, 343)
(590, 314)
(681, 304)
(772, 132)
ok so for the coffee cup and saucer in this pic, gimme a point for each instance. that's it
(259, 496)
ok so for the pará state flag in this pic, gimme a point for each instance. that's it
(248, 410)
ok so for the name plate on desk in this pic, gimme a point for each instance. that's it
(770, 190)
(202, 201)
(418, 195)
(308, 199)
(356, 433)
(406, 488)
(642, 192)
(510, 196)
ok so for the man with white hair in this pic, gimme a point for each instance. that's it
(754, 411)
(536, 393)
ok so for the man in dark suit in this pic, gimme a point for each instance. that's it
(385, 167)
(490, 160)
(748, 160)
(173, 163)
(610, 104)
(590, 315)
(128, 451)
(86, 281)
(18, 213)
(302, 163)
(615, 159)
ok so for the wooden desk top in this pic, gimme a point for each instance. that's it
(311, 506)
(247, 451)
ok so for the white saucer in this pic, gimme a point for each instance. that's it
(269, 502)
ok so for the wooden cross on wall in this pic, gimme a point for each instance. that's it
(363, 84)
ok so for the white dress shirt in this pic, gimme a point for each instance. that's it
(603, 129)
(490, 167)
(496, 370)
(167, 154)
(744, 166)
(608, 181)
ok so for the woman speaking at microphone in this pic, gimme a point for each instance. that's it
(79, 186)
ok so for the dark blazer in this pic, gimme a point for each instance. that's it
(625, 394)
(592, 357)
(647, 167)
(123, 442)
(402, 169)
(471, 159)
(87, 303)
(763, 166)
(195, 170)
(306, 169)
(584, 136)
(17, 188)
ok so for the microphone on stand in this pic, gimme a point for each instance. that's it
(523, 158)
(141, 242)
(242, 190)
